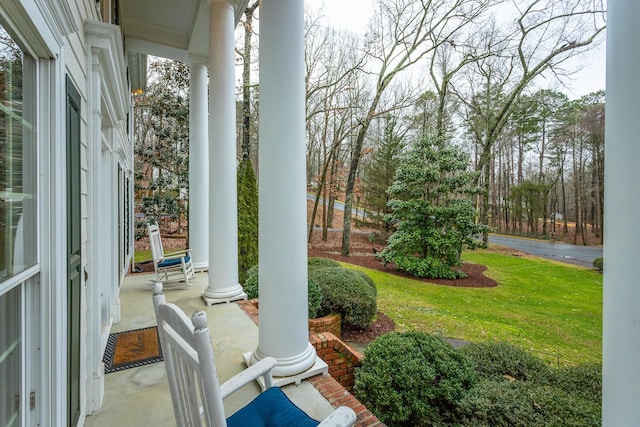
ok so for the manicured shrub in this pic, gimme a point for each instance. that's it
(314, 291)
(369, 281)
(251, 282)
(584, 381)
(314, 294)
(598, 263)
(524, 404)
(427, 267)
(344, 291)
(412, 379)
(498, 404)
(318, 262)
(493, 360)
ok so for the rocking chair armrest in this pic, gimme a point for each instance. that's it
(178, 254)
(341, 417)
(261, 368)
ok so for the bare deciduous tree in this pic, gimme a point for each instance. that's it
(402, 33)
(545, 34)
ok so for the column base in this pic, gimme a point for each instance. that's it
(289, 366)
(200, 267)
(224, 296)
(319, 367)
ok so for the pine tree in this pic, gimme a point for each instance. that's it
(378, 177)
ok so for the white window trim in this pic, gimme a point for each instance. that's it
(42, 25)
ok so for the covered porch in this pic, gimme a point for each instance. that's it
(201, 34)
(140, 395)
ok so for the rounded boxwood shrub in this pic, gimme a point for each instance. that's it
(584, 381)
(344, 291)
(598, 263)
(251, 282)
(524, 404)
(498, 404)
(412, 379)
(369, 281)
(318, 262)
(314, 291)
(427, 267)
(493, 360)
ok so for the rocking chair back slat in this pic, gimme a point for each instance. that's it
(195, 379)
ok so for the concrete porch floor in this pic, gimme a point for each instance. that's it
(140, 396)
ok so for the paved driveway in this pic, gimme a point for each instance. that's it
(571, 254)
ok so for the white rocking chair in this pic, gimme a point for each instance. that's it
(193, 381)
(173, 267)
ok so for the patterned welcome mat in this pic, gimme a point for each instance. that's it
(131, 349)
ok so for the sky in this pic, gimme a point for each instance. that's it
(354, 15)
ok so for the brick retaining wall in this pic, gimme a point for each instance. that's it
(331, 323)
(342, 360)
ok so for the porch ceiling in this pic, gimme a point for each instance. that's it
(169, 28)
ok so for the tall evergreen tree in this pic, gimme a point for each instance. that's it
(378, 176)
(247, 218)
(431, 205)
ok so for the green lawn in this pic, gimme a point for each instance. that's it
(141, 256)
(551, 309)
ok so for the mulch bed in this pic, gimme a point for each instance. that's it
(381, 325)
(363, 252)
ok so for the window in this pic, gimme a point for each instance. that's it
(17, 213)
(10, 358)
(17, 159)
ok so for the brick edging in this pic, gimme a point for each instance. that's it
(326, 385)
(336, 395)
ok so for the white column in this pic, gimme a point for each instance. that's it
(223, 212)
(283, 331)
(198, 164)
(621, 311)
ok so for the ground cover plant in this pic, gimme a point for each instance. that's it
(550, 309)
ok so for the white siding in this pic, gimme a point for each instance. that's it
(56, 32)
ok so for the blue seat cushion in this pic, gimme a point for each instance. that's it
(173, 261)
(271, 408)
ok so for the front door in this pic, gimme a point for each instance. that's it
(74, 261)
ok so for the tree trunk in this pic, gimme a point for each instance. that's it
(246, 81)
(353, 171)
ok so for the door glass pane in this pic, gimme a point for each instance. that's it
(17, 159)
(10, 365)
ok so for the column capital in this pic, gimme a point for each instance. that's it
(233, 4)
(194, 59)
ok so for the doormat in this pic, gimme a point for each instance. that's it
(131, 349)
